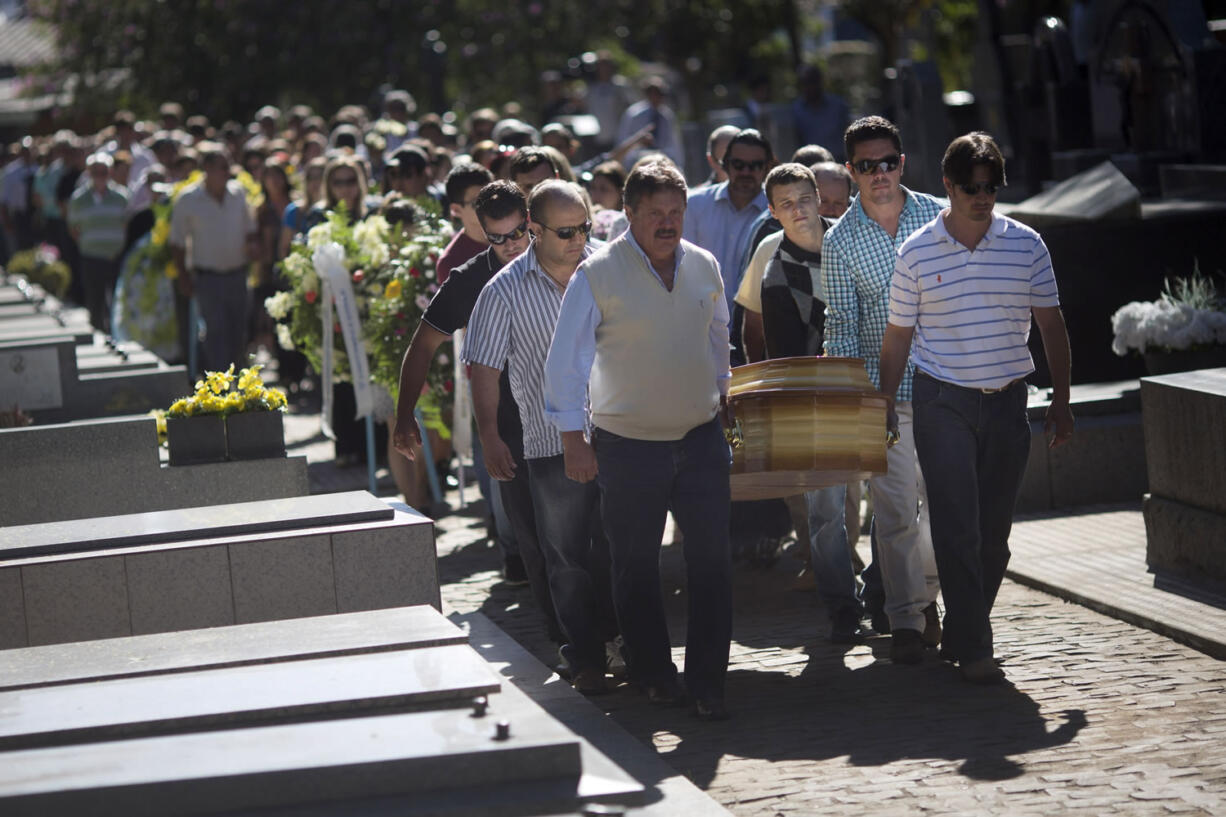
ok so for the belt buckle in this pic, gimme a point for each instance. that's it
(1008, 385)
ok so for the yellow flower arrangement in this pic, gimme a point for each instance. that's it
(215, 394)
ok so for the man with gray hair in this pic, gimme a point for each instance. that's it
(644, 325)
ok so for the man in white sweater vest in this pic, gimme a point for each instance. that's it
(643, 330)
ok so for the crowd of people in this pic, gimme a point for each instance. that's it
(605, 301)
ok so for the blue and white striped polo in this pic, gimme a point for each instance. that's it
(971, 308)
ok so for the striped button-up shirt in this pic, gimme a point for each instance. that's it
(971, 308)
(857, 263)
(512, 325)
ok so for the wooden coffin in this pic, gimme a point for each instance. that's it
(804, 423)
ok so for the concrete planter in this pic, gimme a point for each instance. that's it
(195, 440)
(252, 435)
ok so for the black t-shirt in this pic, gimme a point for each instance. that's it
(453, 303)
(450, 310)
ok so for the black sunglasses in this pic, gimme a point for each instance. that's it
(740, 164)
(514, 235)
(567, 233)
(973, 189)
(886, 164)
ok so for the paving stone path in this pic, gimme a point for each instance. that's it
(1101, 718)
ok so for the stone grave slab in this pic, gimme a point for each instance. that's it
(161, 527)
(221, 647)
(81, 459)
(1101, 193)
(236, 697)
(1185, 448)
(285, 765)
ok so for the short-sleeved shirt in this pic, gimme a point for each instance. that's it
(100, 218)
(218, 230)
(512, 324)
(460, 250)
(453, 304)
(793, 309)
(749, 295)
(857, 263)
(971, 308)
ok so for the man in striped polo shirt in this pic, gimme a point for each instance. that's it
(964, 290)
(857, 262)
(512, 324)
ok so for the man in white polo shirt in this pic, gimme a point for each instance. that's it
(964, 289)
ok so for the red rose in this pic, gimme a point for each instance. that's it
(358, 275)
(310, 296)
(448, 385)
(415, 272)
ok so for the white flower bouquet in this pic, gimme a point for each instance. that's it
(1189, 315)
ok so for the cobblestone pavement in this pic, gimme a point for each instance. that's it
(1101, 717)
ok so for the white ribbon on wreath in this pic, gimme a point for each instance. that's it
(329, 261)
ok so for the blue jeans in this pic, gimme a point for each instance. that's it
(972, 448)
(831, 555)
(640, 481)
(565, 519)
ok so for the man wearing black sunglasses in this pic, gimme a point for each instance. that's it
(512, 325)
(857, 262)
(719, 217)
(503, 214)
(964, 289)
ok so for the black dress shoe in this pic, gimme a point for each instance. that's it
(710, 709)
(906, 646)
(665, 694)
(845, 627)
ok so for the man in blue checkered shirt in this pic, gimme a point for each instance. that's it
(857, 263)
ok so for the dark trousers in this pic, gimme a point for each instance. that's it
(98, 277)
(517, 502)
(575, 561)
(222, 298)
(639, 481)
(972, 448)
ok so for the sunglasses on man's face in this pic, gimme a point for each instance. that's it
(886, 164)
(514, 235)
(567, 233)
(973, 189)
(740, 164)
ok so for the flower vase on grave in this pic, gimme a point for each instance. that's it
(1184, 360)
(197, 439)
(255, 434)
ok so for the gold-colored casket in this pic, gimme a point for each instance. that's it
(804, 423)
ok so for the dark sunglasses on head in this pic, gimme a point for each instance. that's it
(567, 233)
(514, 235)
(740, 164)
(886, 164)
(973, 189)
